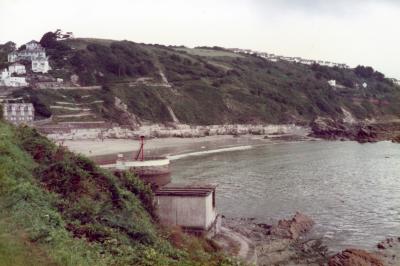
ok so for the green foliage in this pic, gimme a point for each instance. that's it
(211, 85)
(61, 209)
(100, 63)
(5, 49)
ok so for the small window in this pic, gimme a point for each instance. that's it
(213, 199)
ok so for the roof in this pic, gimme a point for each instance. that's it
(33, 41)
(188, 190)
(17, 64)
(5, 105)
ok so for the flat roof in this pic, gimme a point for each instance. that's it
(186, 190)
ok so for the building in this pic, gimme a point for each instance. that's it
(332, 83)
(18, 113)
(17, 68)
(7, 80)
(33, 45)
(40, 64)
(32, 51)
(192, 207)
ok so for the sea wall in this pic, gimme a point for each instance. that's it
(181, 130)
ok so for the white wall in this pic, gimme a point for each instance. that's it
(186, 211)
(210, 211)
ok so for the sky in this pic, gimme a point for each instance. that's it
(356, 32)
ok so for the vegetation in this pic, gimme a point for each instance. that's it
(59, 208)
(5, 49)
(211, 85)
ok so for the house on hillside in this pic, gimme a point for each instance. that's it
(191, 207)
(332, 83)
(32, 51)
(33, 45)
(40, 65)
(17, 68)
(18, 113)
(9, 81)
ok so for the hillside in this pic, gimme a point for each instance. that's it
(206, 86)
(58, 208)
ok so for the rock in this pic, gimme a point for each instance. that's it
(396, 139)
(327, 128)
(365, 134)
(293, 228)
(352, 257)
(381, 246)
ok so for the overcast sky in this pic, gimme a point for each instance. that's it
(344, 31)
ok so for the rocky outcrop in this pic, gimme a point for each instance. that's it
(293, 228)
(272, 249)
(389, 251)
(396, 139)
(353, 257)
(127, 117)
(328, 128)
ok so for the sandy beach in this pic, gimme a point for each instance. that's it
(160, 146)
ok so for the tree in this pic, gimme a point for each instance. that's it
(49, 40)
(364, 72)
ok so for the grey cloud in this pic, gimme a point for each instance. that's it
(315, 7)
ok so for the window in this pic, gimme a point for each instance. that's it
(213, 199)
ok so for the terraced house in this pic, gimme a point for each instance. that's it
(18, 113)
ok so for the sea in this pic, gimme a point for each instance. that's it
(351, 190)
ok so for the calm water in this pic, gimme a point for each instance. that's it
(352, 191)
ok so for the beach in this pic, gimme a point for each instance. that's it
(161, 146)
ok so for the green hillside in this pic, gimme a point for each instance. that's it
(213, 85)
(58, 208)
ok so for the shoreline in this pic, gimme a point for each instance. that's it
(159, 146)
(267, 247)
(288, 242)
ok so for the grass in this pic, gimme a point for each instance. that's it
(16, 249)
(214, 86)
(59, 208)
(208, 52)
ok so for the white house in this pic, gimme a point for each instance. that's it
(365, 85)
(332, 83)
(33, 50)
(192, 207)
(7, 80)
(17, 68)
(18, 113)
(40, 64)
(32, 45)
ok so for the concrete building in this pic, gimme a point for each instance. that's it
(18, 113)
(7, 80)
(40, 64)
(192, 207)
(17, 68)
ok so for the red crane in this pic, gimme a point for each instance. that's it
(141, 150)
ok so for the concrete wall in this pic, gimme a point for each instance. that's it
(210, 210)
(186, 211)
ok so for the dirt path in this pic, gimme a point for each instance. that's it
(237, 244)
